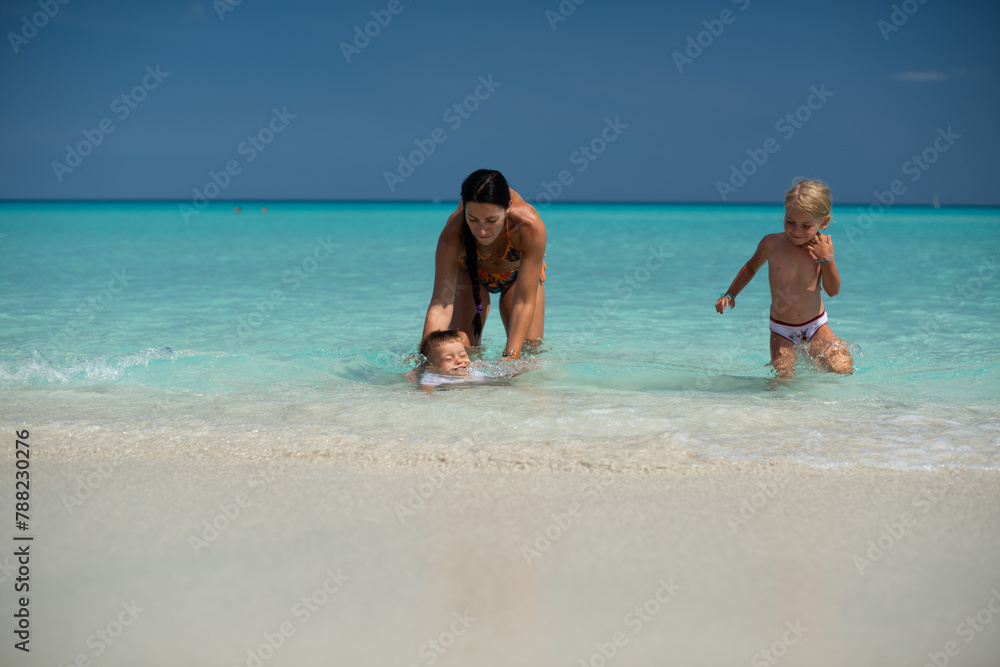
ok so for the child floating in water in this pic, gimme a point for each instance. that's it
(447, 362)
(800, 263)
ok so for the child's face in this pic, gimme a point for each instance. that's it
(801, 227)
(449, 359)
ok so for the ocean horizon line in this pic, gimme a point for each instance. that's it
(435, 201)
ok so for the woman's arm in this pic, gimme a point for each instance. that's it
(532, 238)
(449, 250)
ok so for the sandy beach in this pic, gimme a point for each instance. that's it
(227, 227)
(292, 558)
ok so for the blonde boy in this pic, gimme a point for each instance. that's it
(800, 266)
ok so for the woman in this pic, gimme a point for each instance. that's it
(494, 240)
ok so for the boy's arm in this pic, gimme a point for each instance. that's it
(418, 372)
(743, 278)
(821, 249)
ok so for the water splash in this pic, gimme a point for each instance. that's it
(39, 371)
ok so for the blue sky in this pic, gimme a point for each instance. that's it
(593, 94)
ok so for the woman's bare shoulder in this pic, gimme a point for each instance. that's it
(453, 225)
(524, 213)
(450, 239)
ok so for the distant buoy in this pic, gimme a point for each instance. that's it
(237, 209)
(263, 209)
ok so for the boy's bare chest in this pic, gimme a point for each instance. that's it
(792, 266)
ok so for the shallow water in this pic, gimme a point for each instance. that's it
(125, 326)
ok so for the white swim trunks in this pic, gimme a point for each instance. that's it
(799, 333)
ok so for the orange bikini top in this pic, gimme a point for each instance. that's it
(510, 254)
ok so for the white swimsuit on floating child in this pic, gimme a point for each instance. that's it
(435, 379)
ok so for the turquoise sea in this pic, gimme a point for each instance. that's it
(125, 325)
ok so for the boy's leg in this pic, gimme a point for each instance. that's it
(782, 355)
(830, 351)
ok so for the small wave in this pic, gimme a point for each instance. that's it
(370, 366)
(507, 368)
(37, 370)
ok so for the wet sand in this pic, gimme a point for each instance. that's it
(299, 559)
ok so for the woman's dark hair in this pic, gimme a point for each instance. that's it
(485, 186)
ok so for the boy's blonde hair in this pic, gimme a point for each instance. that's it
(435, 339)
(812, 197)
